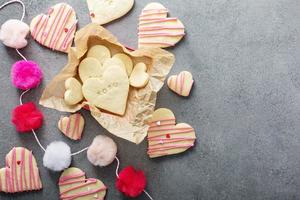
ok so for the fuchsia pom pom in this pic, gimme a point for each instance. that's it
(26, 74)
(131, 182)
(26, 117)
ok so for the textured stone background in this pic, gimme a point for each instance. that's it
(245, 106)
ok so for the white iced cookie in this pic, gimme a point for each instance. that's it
(139, 76)
(126, 61)
(165, 137)
(110, 92)
(56, 29)
(90, 68)
(99, 52)
(104, 11)
(156, 29)
(181, 83)
(13, 33)
(73, 93)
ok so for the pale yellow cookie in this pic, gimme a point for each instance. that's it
(110, 92)
(72, 126)
(21, 173)
(104, 11)
(99, 52)
(90, 68)
(156, 29)
(113, 61)
(139, 76)
(126, 61)
(73, 184)
(181, 83)
(73, 93)
(165, 137)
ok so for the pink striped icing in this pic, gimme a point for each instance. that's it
(15, 172)
(66, 180)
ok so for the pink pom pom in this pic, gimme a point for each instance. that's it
(26, 74)
(26, 117)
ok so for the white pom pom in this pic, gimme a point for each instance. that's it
(57, 156)
(102, 151)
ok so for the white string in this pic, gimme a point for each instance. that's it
(15, 1)
(22, 56)
(78, 152)
(118, 165)
(37, 140)
(21, 96)
(117, 174)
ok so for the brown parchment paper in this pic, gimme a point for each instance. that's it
(141, 102)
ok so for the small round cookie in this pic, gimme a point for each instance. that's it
(90, 68)
(139, 76)
(126, 61)
(73, 93)
(99, 52)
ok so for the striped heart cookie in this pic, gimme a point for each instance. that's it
(21, 172)
(165, 137)
(56, 29)
(72, 126)
(74, 185)
(181, 83)
(156, 29)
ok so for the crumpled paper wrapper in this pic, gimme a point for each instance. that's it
(132, 125)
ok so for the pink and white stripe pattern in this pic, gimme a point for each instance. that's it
(56, 29)
(74, 185)
(156, 29)
(181, 83)
(166, 138)
(21, 172)
(72, 126)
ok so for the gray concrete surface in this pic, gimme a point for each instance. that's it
(245, 106)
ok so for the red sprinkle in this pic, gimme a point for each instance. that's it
(92, 15)
(66, 30)
(18, 162)
(168, 136)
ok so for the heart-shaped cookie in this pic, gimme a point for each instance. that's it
(139, 76)
(73, 93)
(156, 29)
(90, 68)
(104, 11)
(181, 83)
(21, 172)
(109, 92)
(56, 29)
(74, 185)
(165, 137)
(72, 126)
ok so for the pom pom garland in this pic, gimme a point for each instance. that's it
(13, 33)
(26, 74)
(27, 117)
(131, 182)
(57, 156)
(102, 151)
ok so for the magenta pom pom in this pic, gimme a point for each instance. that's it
(26, 74)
